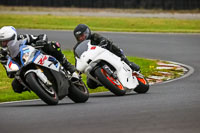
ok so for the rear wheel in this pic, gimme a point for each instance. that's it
(109, 82)
(46, 93)
(143, 86)
(78, 91)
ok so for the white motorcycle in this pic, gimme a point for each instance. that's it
(107, 69)
(44, 75)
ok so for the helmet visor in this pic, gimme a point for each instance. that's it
(83, 36)
(4, 42)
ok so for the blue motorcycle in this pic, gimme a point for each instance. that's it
(45, 76)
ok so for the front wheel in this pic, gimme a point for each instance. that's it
(78, 92)
(46, 93)
(143, 86)
(109, 82)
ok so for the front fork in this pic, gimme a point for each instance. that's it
(40, 75)
(137, 74)
(140, 77)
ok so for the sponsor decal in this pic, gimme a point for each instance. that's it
(41, 61)
(93, 48)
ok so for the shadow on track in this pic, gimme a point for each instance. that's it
(21, 104)
(109, 94)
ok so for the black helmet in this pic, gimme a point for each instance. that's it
(82, 32)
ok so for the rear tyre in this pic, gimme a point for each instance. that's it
(78, 92)
(47, 94)
(109, 82)
(143, 86)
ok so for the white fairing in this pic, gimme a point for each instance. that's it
(28, 55)
(41, 59)
(95, 54)
(12, 66)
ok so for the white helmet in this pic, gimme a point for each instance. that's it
(8, 36)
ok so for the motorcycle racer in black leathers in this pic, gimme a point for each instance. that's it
(82, 32)
(10, 42)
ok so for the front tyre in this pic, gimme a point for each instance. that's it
(143, 86)
(109, 82)
(47, 94)
(78, 92)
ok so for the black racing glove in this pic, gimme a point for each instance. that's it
(40, 43)
(3, 54)
(104, 43)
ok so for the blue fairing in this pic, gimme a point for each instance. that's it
(22, 52)
(26, 50)
(52, 59)
(36, 55)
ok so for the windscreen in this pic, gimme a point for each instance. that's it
(82, 47)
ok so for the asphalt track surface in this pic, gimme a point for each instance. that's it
(172, 107)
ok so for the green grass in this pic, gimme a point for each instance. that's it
(7, 93)
(101, 23)
(95, 23)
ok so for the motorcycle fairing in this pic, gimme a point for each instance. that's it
(90, 57)
(47, 61)
(28, 54)
(124, 72)
(12, 66)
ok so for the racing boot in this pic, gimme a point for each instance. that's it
(132, 65)
(67, 65)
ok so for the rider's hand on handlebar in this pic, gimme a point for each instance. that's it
(40, 43)
(104, 43)
(3, 54)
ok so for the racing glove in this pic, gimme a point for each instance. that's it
(3, 54)
(105, 43)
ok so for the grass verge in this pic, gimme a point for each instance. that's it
(96, 23)
(116, 24)
(7, 94)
